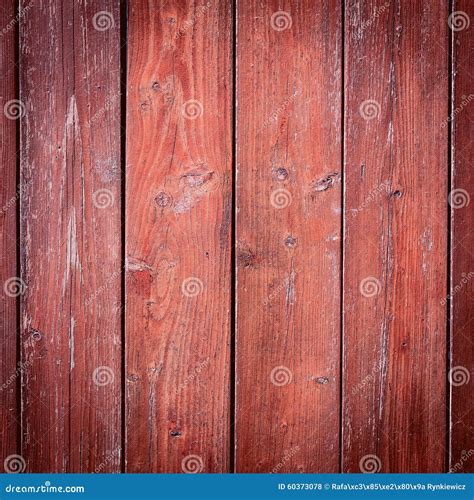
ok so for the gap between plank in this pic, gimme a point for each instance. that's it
(123, 162)
(233, 263)
(451, 94)
(343, 158)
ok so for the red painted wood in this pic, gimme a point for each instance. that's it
(12, 287)
(288, 236)
(395, 242)
(70, 236)
(305, 180)
(462, 240)
(178, 221)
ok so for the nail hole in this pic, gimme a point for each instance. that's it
(36, 335)
(281, 174)
(290, 241)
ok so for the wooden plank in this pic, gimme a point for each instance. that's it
(395, 241)
(12, 286)
(70, 230)
(288, 236)
(178, 222)
(461, 374)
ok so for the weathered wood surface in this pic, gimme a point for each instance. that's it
(178, 227)
(461, 375)
(288, 259)
(342, 245)
(12, 287)
(395, 241)
(70, 236)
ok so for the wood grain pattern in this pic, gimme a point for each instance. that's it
(462, 242)
(395, 240)
(70, 230)
(11, 286)
(288, 206)
(178, 222)
(335, 265)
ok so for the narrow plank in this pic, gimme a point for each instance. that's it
(178, 222)
(10, 281)
(288, 236)
(70, 230)
(461, 374)
(395, 241)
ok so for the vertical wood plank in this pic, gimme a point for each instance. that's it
(288, 235)
(70, 228)
(395, 242)
(461, 375)
(12, 287)
(178, 222)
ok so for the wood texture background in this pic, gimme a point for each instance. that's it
(236, 236)
(395, 247)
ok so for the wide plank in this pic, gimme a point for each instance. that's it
(288, 235)
(178, 229)
(395, 236)
(70, 236)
